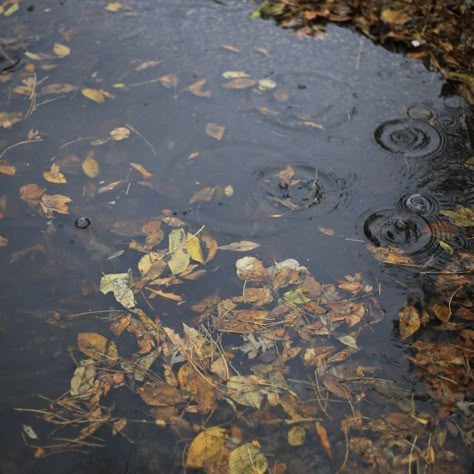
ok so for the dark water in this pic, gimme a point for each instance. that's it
(378, 149)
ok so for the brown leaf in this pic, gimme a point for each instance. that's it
(90, 166)
(54, 175)
(409, 321)
(201, 387)
(160, 394)
(169, 81)
(211, 245)
(196, 88)
(9, 170)
(54, 203)
(215, 131)
(91, 344)
(323, 437)
(142, 170)
(31, 192)
(326, 231)
(239, 83)
(203, 195)
(442, 312)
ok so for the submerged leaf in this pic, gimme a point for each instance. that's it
(296, 436)
(409, 321)
(242, 246)
(61, 50)
(207, 447)
(91, 344)
(247, 459)
(240, 83)
(179, 259)
(215, 131)
(120, 285)
(90, 166)
(93, 94)
(193, 245)
(54, 175)
(196, 88)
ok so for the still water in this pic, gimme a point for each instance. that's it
(376, 147)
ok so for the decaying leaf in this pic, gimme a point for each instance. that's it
(234, 74)
(326, 231)
(296, 436)
(215, 131)
(142, 170)
(193, 245)
(120, 133)
(196, 88)
(169, 81)
(120, 285)
(90, 166)
(58, 88)
(199, 386)
(208, 449)
(242, 246)
(203, 195)
(83, 379)
(160, 394)
(239, 83)
(95, 95)
(8, 170)
(462, 216)
(61, 50)
(54, 203)
(3, 241)
(93, 345)
(247, 459)
(323, 437)
(245, 390)
(32, 192)
(409, 320)
(54, 175)
(251, 269)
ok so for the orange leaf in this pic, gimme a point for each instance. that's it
(142, 170)
(323, 437)
(9, 170)
(31, 192)
(409, 321)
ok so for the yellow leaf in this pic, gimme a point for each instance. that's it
(266, 84)
(9, 170)
(207, 447)
(179, 260)
(142, 170)
(3, 241)
(215, 131)
(247, 459)
(54, 175)
(93, 94)
(234, 74)
(90, 166)
(395, 17)
(296, 436)
(326, 231)
(196, 88)
(203, 195)
(194, 248)
(58, 88)
(120, 285)
(31, 192)
(240, 83)
(409, 321)
(169, 80)
(10, 11)
(114, 7)
(61, 50)
(120, 133)
(91, 344)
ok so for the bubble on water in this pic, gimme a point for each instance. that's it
(410, 138)
(420, 112)
(418, 203)
(82, 222)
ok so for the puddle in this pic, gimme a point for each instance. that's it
(333, 146)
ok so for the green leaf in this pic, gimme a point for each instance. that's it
(247, 459)
(120, 284)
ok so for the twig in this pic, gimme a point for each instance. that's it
(133, 129)
(24, 142)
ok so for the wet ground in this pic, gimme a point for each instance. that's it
(377, 146)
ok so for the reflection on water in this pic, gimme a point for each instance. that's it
(309, 158)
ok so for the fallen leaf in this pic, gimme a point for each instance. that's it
(54, 203)
(152, 265)
(326, 231)
(409, 320)
(90, 166)
(58, 89)
(208, 449)
(30, 432)
(396, 17)
(215, 131)
(462, 216)
(231, 48)
(247, 459)
(54, 175)
(31, 192)
(251, 269)
(323, 438)
(8, 119)
(266, 84)
(93, 345)
(83, 379)
(196, 88)
(234, 74)
(61, 50)
(12, 9)
(142, 170)
(240, 83)
(211, 245)
(120, 285)
(169, 81)
(203, 195)
(93, 94)
(9, 170)
(179, 259)
(160, 394)
(242, 246)
(348, 340)
(442, 312)
(120, 133)
(119, 425)
(199, 386)
(193, 245)
(3, 241)
(245, 390)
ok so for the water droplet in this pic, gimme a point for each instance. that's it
(82, 222)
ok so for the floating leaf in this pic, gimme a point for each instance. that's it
(266, 84)
(9, 170)
(7, 119)
(3, 241)
(54, 175)
(31, 192)
(93, 94)
(250, 268)
(91, 344)
(90, 166)
(241, 83)
(142, 170)
(30, 432)
(169, 80)
(199, 386)
(326, 231)
(234, 74)
(54, 203)
(296, 297)
(392, 256)
(196, 88)
(247, 459)
(160, 394)
(442, 312)
(120, 285)
(193, 245)
(348, 340)
(211, 245)
(203, 195)
(296, 436)
(245, 390)
(215, 131)
(409, 321)
(395, 17)
(61, 50)
(242, 246)
(12, 9)
(208, 448)
(152, 265)
(83, 379)
(58, 88)
(120, 133)
(179, 259)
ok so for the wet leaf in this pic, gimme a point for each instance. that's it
(323, 438)
(199, 386)
(240, 83)
(234, 74)
(179, 259)
(160, 394)
(211, 245)
(250, 268)
(442, 312)
(120, 133)
(462, 216)
(54, 203)
(118, 425)
(266, 84)
(397, 17)
(9, 170)
(169, 81)
(152, 265)
(193, 245)
(8, 119)
(30, 432)
(58, 89)
(31, 192)
(142, 170)
(215, 131)
(114, 7)
(144, 363)
(203, 195)
(208, 448)
(409, 321)
(326, 231)
(390, 255)
(92, 344)
(348, 340)
(296, 436)
(245, 390)
(12, 9)
(61, 50)
(296, 297)
(242, 246)
(83, 379)
(95, 95)
(3, 241)
(90, 166)
(247, 459)
(120, 285)
(54, 175)
(196, 88)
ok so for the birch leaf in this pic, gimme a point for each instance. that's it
(180, 259)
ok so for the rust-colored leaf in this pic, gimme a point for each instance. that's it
(323, 438)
